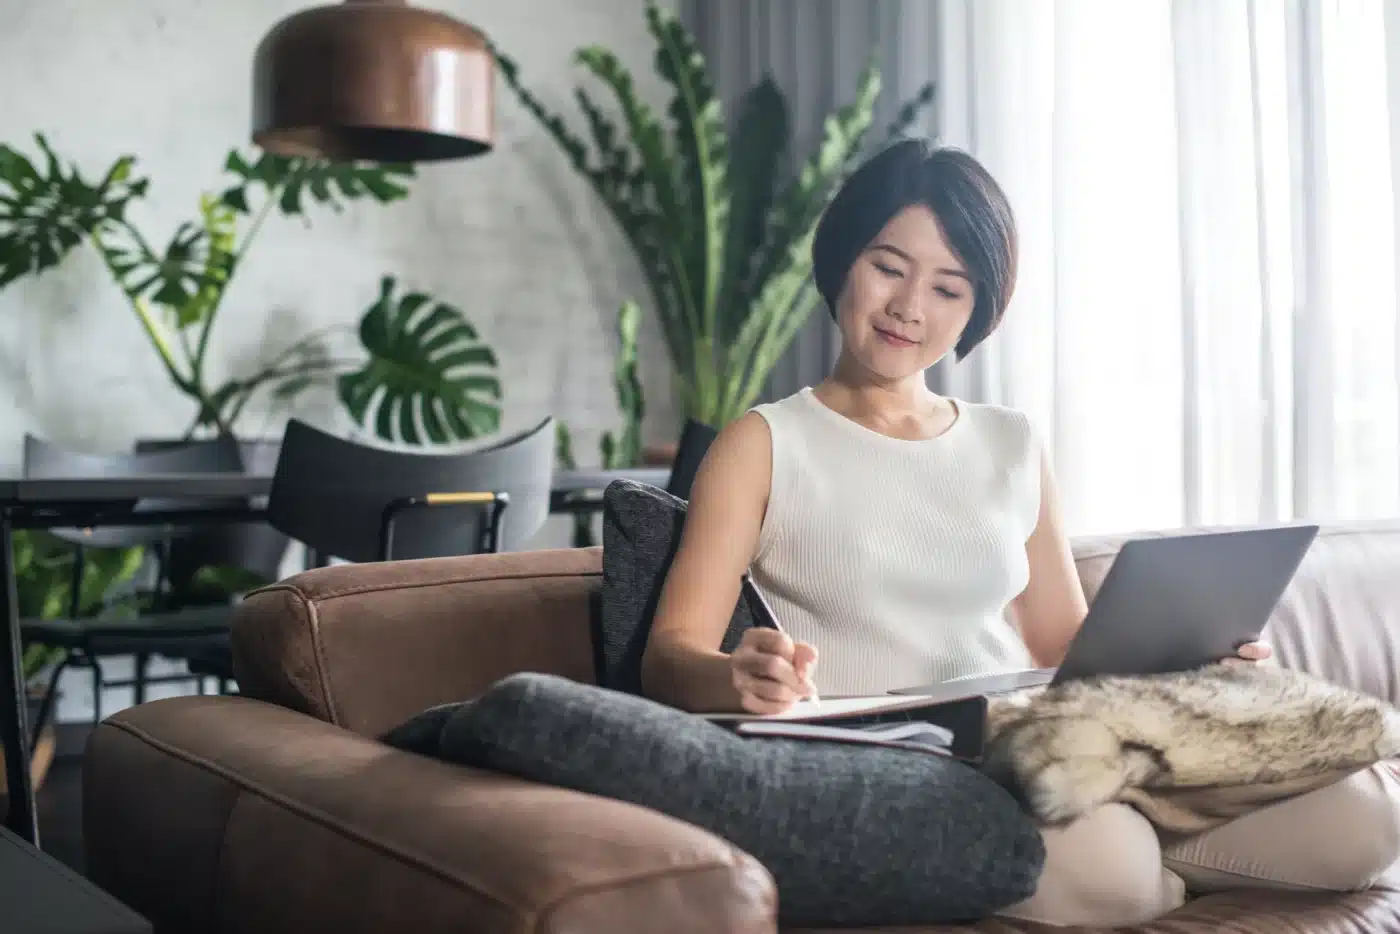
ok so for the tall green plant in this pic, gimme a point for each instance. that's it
(617, 451)
(722, 231)
(426, 375)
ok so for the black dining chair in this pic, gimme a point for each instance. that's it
(356, 502)
(160, 628)
(246, 554)
(696, 438)
(236, 556)
(359, 503)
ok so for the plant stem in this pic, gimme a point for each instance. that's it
(304, 341)
(184, 336)
(148, 322)
(241, 396)
(197, 363)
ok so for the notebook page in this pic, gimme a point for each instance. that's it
(828, 707)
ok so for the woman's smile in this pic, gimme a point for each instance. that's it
(890, 337)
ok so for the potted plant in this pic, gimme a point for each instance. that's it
(424, 375)
(44, 571)
(615, 451)
(721, 227)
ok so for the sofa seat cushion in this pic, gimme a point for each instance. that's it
(641, 531)
(1258, 912)
(852, 835)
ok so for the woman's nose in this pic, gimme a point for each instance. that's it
(905, 308)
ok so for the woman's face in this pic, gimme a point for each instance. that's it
(906, 300)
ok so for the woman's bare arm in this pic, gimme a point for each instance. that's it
(1052, 607)
(683, 665)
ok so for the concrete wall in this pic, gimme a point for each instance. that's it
(515, 239)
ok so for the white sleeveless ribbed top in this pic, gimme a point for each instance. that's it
(897, 559)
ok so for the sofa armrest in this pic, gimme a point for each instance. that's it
(229, 814)
(366, 646)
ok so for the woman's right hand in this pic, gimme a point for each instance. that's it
(771, 672)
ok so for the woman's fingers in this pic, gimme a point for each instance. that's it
(773, 668)
(766, 672)
(768, 641)
(804, 662)
(768, 691)
(757, 705)
(768, 656)
(1251, 653)
(1256, 651)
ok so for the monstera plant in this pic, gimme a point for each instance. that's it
(44, 567)
(721, 221)
(424, 374)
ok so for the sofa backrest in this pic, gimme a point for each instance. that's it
(367, 646)
(1339, 619)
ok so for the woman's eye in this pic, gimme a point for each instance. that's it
(948, 293)
(887, 270)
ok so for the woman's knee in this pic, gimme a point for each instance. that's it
(1340, 838)
(1365, 820)
(1103, 869)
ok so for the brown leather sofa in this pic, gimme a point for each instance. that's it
(277, 812)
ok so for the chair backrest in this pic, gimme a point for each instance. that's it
(696, 438)
(43, 459)
(255, 547)
(330, 493)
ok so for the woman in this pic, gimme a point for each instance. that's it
(904, 537)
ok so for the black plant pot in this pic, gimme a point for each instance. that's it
(255, 547)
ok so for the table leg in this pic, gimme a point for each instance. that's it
(21, 818)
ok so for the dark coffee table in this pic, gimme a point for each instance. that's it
(40, 895)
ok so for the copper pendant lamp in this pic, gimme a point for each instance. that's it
(376, 80)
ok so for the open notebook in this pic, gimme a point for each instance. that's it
(918, 735)
(958, 715)
(830, 708)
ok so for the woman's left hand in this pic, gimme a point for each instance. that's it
(1251, 653)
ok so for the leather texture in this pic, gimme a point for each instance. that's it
(234, 815)
(279, 812)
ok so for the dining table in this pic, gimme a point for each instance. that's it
(184, 499)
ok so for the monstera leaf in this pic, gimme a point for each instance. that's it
(46, 210)
(328, 183)
(429, 376)
(189, 277)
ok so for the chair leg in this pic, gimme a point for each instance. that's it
(143, 660)
(46, 706)
(97, 681)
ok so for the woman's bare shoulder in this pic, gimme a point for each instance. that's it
(740, 458)
(746, 436)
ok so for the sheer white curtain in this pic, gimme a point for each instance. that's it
(1205, 329)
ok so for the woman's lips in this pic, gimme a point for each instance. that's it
(890, 337)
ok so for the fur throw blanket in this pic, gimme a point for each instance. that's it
(1191, 750)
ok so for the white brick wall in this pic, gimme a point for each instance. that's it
(514, 239)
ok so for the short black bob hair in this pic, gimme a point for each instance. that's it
(971, 208)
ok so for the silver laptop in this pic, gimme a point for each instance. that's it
(1169, 604)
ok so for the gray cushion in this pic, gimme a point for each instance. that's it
(852, 835)
(641, 531)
